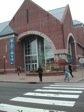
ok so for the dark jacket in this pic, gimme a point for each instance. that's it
(70, 68)
(40, 70)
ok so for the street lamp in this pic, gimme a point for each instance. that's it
(4, 59)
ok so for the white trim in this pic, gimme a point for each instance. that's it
(6, 37)
(44, 56)
(37, 53)
(8, 69)
(24, 58)
(61, 51)
(69, 36)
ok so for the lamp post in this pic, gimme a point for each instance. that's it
(4, 62)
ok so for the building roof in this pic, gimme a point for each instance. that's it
(5, 29)
(3, 25)
(58, 13)
(77, 23)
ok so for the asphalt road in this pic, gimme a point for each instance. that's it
(50, 97)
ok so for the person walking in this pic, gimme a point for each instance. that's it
(18, 70)
(67, 74)
(70, 70)
(40, 73)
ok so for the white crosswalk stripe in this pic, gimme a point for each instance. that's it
(67, 86)
(61, 91)
(52, 95)
(54, 87)
(44, 101)
(12, 108)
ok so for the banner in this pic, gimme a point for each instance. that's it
(12, 50)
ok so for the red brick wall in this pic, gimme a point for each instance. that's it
(79, 36)
(78, 32)
(67, 24)
(19, 57)
(39, 20)
(31, 17)
(4, 52)
(80, 51)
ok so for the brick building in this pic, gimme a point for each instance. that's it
(36, 37)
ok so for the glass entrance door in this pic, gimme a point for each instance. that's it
(31, 63)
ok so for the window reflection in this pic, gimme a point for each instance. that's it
(31, 54)
(49, 54)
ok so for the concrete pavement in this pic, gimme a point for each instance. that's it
(13, 77)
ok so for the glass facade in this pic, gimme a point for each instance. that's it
(71, 51)
(31, 54)
(38, 52)
(49, 54)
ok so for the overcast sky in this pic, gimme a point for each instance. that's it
(9, 7)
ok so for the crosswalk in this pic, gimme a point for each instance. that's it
(46, 99)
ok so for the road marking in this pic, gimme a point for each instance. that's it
(54, 87)
(61, 91)
(44, 101)
(67, 87)
(13, 108)
(52, 95)
(67, 84)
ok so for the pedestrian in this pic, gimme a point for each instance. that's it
(40, 73)
(70, 70)
(67, 74)
(18, 70)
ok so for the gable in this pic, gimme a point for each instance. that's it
(67, 17)
(30, 16)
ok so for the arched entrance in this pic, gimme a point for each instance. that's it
(33, 52)
(71, 50)
(38, 51)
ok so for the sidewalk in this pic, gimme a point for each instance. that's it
(78, 76)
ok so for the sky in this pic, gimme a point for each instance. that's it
(8, 8)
